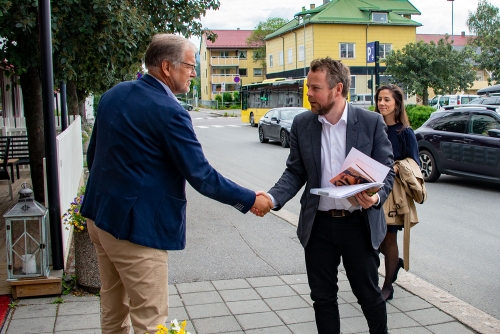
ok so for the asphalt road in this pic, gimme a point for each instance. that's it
(456, 245)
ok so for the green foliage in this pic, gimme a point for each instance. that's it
(218, 98)
(13, 305)
(417, 115)
(228, 97)
(256, 39)
(420, 66)
(485, 24)
(58, 300)
(236, 96)
(371, 108)
(69, 284)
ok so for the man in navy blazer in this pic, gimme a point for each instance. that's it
(142, 150)
(330, 229)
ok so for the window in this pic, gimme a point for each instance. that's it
(290, 56)
(224, 54)
(352, 89)
(257, 55)
(347, 50)
(281, 58)
(243, 72)
(205, 56)
(479, 75)
(452, 122)
(379, 17)
(384, 50)
(270, 60)
(257, 72)
(242, 54)
(301, 52)
(480, 124)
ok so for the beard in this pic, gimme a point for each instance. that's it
(323, 109)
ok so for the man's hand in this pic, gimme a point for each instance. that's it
(365, 200)
(262, 205)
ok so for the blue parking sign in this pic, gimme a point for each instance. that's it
(370, 52)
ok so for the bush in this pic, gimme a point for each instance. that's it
(228, 97)
(236, 96)
(417, 115)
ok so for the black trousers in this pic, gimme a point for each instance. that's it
(347, 238)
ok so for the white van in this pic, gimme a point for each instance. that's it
(361, 100)
(439, 101)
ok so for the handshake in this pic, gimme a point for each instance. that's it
(262, 205)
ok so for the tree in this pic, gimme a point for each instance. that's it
(256, 39)
(485, 23)
(95, 45)
(420, 66)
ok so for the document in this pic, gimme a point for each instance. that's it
(359, 173)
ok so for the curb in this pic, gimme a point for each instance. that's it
(467, 314)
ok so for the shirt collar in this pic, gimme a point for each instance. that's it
(167, 89)
(323, 119)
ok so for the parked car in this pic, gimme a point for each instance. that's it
(440, 101)
(361, 100)
(490, 100)
(462, 141)
(276, 124)
(186, 106)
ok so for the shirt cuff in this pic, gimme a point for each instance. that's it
(272, 200)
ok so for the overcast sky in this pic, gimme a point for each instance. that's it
(246, 14)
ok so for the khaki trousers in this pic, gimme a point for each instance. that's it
(134, 284)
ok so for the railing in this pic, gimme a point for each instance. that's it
(224, 61)
(11, 126)
(70, 169)
(226, 78)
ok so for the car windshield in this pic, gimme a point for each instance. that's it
(475, 101)
(291, 113)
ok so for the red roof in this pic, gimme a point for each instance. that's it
(458, 40)
(229, 39)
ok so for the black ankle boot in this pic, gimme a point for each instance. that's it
(401, 264)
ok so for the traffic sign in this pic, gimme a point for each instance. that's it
(223, 87)
(236, 79)
(370, 52)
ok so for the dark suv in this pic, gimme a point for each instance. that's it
(462, 141)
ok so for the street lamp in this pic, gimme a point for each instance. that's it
(452, 40)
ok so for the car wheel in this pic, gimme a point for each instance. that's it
(190, 108)
(429, 168)
(252, 120)
(284, 139)
(261, 136)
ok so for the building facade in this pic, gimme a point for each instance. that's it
(227, 63)
(341, 30)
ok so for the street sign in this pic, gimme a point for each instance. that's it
(236, 79)
(223, 87)
(370, 52)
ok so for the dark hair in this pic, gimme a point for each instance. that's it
(335, 72)
(400, 115)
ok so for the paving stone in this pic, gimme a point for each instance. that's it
(303, 328)
(194, 287)
(81, 331)
(301, 289)
(216, 325)
(265, 281)
(178, 313)
(174, 301)
(172, 290)
(285, 303)
(231, 284)
(295, 279)
(400, 320)
(400, 292)
(259, 320)
(308, 299)
(201, 298)
(207, 311)
(37, 301)
(274, 330)
(248, 306)
(344, 286)
(429, 316)
(410, 330)
(79, 308)
(240, 294)
(353, 325)
(35, 311)
(32, 325)
(71, 298)
(349, 311)
(450, 328)
(77, 322)
(411, 303)
(276, 291)
(348, 296)
(296, 315)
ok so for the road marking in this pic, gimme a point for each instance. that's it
(217, 126)
(201, 127)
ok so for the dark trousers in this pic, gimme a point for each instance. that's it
(349, 238)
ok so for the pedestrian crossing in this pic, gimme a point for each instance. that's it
(219, 126)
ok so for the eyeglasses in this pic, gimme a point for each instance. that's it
(189, 66)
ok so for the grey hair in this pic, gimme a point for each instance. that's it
(167, 47)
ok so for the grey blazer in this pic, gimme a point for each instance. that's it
(366, 131)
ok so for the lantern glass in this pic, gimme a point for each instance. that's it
(26, 247)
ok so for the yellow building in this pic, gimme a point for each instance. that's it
(227, 63)
(341, 30)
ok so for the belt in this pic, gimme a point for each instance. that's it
(338, 213)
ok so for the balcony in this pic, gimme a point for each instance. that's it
(224, 61)
(226, 78)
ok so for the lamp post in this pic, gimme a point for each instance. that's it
(452, 39)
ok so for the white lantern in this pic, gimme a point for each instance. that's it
(26, 234)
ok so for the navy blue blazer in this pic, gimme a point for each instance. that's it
(366, 132)
(142, 150)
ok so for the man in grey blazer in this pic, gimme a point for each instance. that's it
(330, 229)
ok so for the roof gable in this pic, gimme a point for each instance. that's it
(228, 39)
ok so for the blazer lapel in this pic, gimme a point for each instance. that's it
(352, 129)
